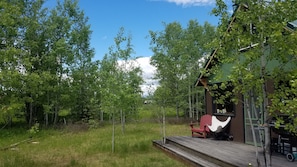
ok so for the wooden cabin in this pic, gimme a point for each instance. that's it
(240, 126)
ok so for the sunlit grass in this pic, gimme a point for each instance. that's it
(90, 147)
(152, 111)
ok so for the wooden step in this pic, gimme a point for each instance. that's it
(184, 156)
(197, 153)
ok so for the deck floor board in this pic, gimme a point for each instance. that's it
(238, 154)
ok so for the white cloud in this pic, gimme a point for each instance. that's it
(150, 84)
(187, 3)
(148, 71)
(192, 2)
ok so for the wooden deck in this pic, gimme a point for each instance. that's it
(215, 153)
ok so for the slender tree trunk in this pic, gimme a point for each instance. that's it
(160, 121)
(46, 119)
(101, 116)
(267, 152)
(164, 125)
(113, 133)
(190, 105)
(257, 117)
(46, 112)
(197, 106)
(266, 128)
(176, 103)
(123, 121)
(247, 105)
(193, 100)
(30, 114)
(56, 115)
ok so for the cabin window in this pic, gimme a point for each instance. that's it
(222, 99)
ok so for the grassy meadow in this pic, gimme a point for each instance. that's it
(78, 146)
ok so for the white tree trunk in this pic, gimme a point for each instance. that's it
(265, 110)
(164, 126)
(123, 121)
(101, 116)
(113, 133)
(197, 106)
(189, 99)
(265, 103)
(248, 110)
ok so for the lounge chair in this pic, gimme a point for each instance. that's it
(203, 129)
(217, 127)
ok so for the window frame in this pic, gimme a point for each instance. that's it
(230, 106)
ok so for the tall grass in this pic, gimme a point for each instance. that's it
(89, 148)
(152, 111)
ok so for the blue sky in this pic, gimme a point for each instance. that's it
(138, 17)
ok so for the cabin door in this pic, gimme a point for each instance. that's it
(255, 121)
